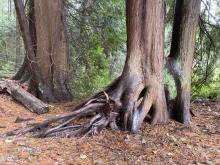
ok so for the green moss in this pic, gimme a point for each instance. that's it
(170, 83)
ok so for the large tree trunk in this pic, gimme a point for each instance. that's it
(45, 39)
(181, 55)
(52, 50)
(142, 77)
(138, 92)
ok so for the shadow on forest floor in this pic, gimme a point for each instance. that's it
(160, 144)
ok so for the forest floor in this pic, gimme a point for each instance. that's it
(159, 144)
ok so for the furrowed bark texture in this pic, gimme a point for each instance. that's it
(139, 91)
(46, 44)
(31, 58)
(181, 55)
(52, 51)
(143, 71)
(24, 27)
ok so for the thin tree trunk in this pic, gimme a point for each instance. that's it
(181, 55)
(18, 46)
(24, 74)
(19, 6)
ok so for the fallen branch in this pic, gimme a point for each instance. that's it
(23, 119)
(22, 96)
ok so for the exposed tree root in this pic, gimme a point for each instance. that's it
(116, 107)
(100, 109)
(138, 93)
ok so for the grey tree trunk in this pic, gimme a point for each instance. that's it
(181, 55)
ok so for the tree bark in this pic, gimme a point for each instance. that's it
(23, 74)
(52, 50)
(46, 44)
(181, 55)
(19, 6)
(144, 64)
(31, 59)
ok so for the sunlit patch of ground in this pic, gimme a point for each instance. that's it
(160, 144)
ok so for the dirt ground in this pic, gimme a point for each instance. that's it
(159, 144)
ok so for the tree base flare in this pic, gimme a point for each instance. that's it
(116, 107)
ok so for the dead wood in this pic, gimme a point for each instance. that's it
(87, 119)
(23, 119)
(22, 96)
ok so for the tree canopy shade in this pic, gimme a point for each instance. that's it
(139, 93)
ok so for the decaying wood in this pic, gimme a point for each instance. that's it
(21, 95)
(23, 119)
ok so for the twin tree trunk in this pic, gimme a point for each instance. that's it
(142, 77)
(139, 92)
(47, 46)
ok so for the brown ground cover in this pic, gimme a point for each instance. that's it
(159, 144)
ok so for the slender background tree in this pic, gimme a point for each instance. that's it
(181, 54)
